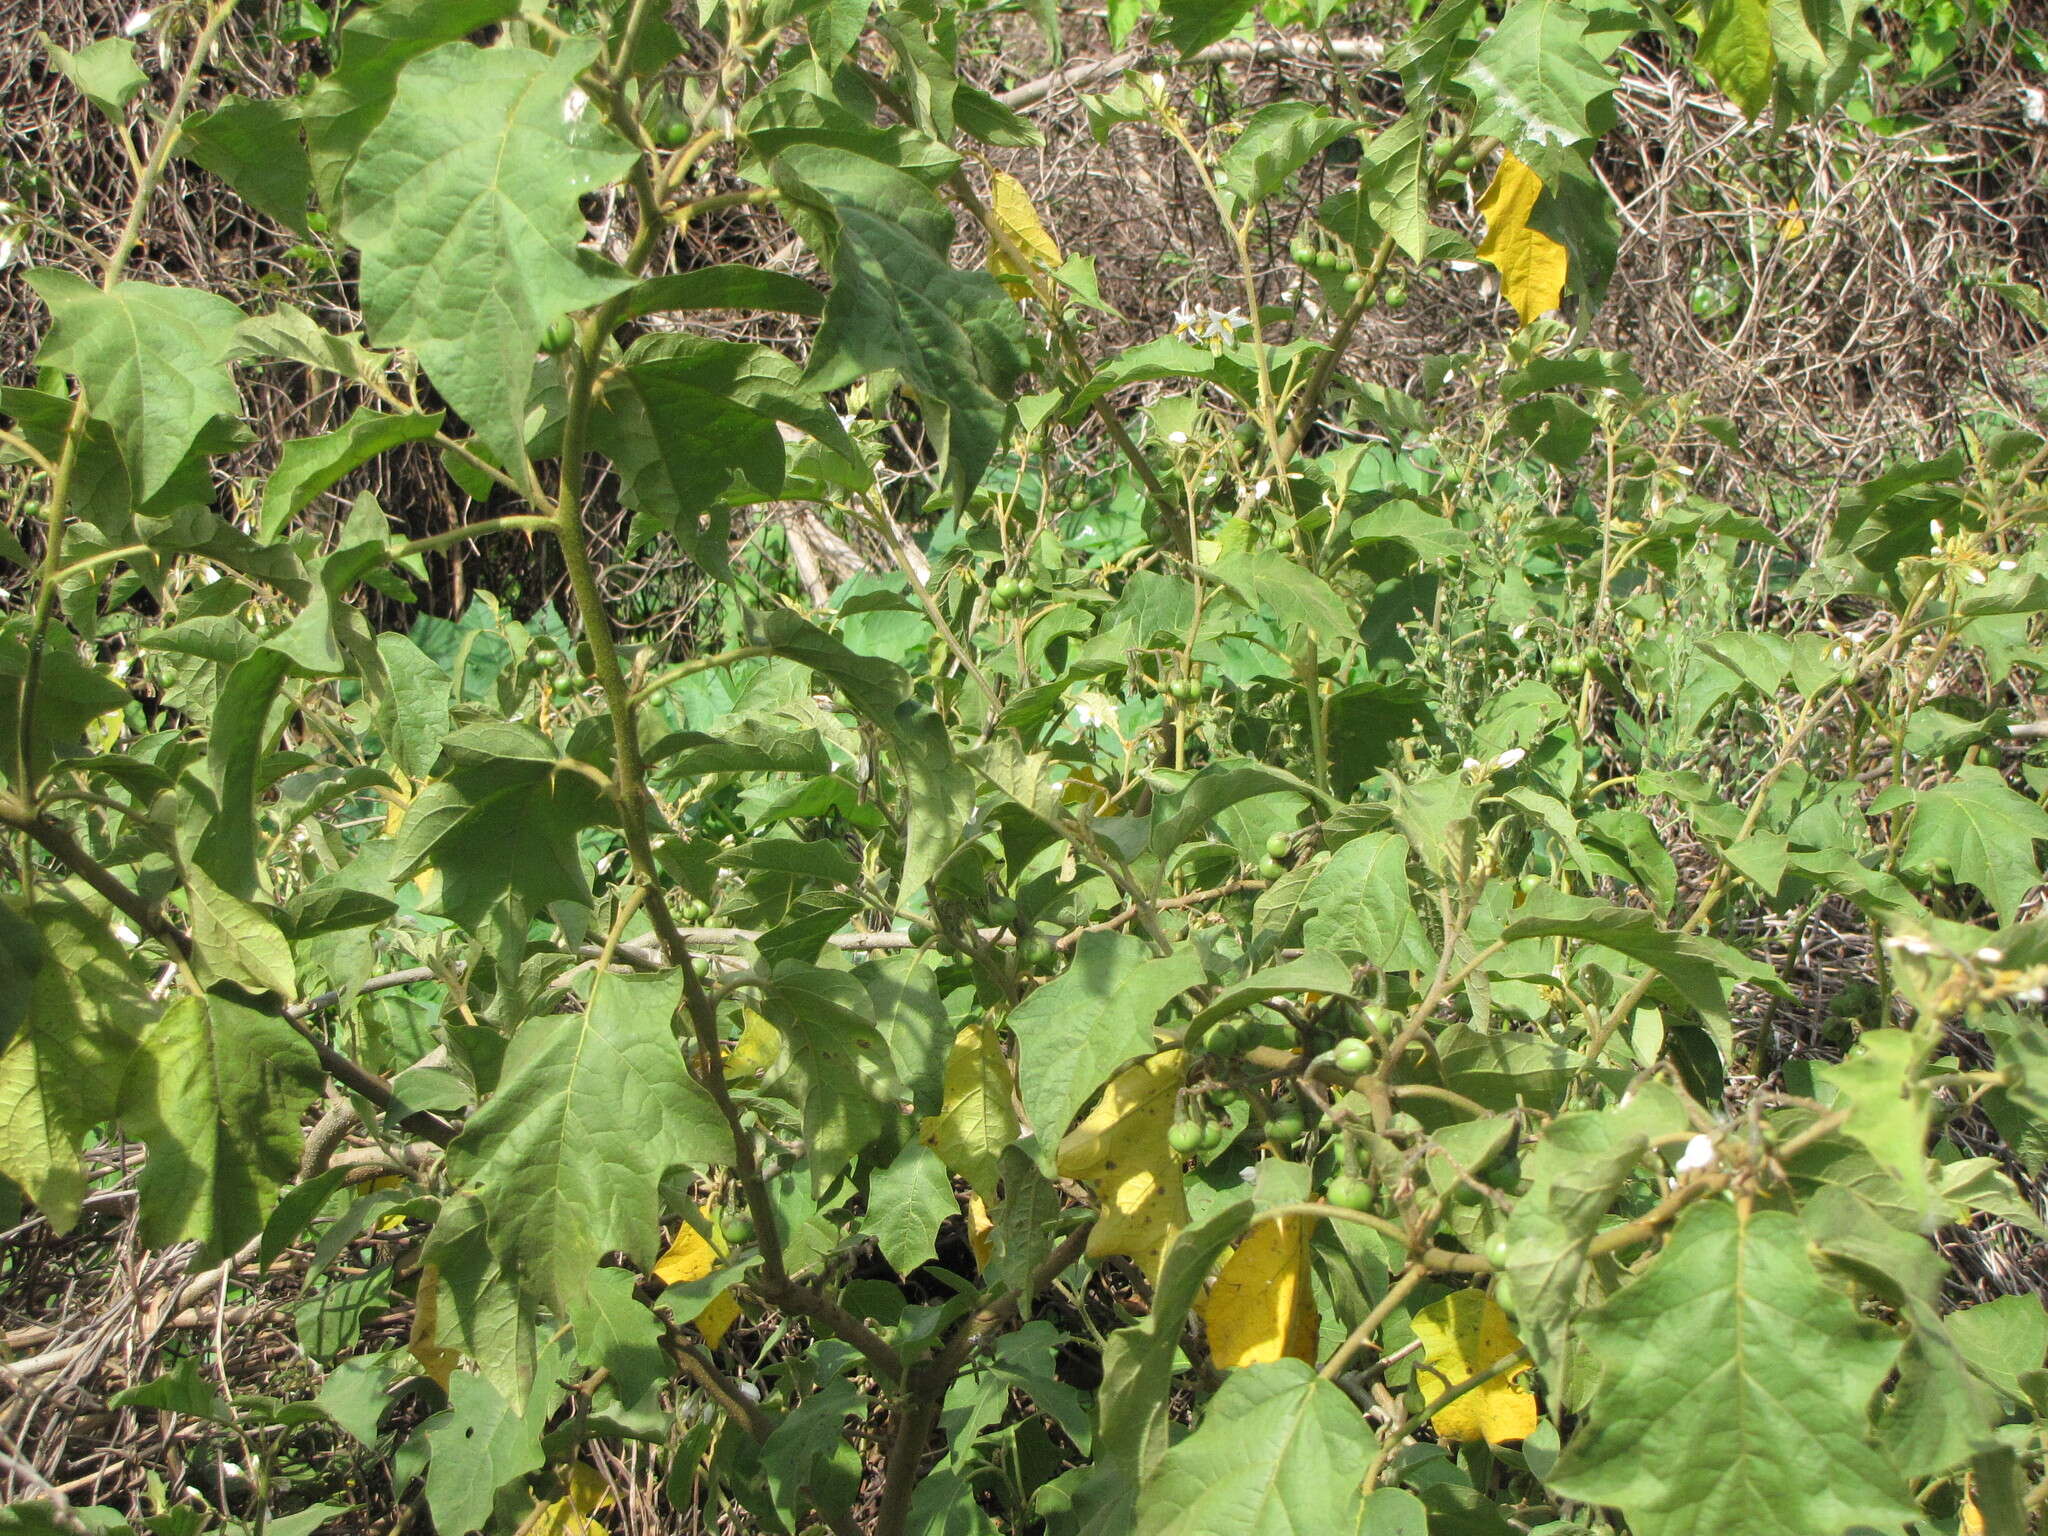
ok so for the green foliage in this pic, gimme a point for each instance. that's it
(1368, 828)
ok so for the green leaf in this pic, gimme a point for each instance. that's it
(1277, 588)
(1315, 971)
(1701, 969)
(908, 1202)
(375, 45)
(178, 1390)
(415, 716)
(105, 72)
(478, 1445)
(464, 204)
(1574, 1174)
(151, 361)
(253, 144)
(1537, 79)
(1278, 141)
(1729, 1374)
(1360, 904)
(1192, 25)
(215, 1092)
(952, 336)
(833, 1066)
(84, 1005)
(1978, 830)
(726, 286)
(499, 825)
(1078, 1028)
(1878, 1083)
(1266, 1460)
(309, 465)
(1736, 52)
(592, 1111)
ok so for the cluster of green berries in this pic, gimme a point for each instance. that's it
(1277, 848)
(695, 913)
(1342, 269)
(1008, 592)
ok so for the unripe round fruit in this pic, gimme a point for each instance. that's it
(1077, 499)
(1277, 845)
(669, 129)
(920, 934)
(559, 334)
(1529, 884)
(1222, 1039)
(1186, 689)
(1349, 1192)
(736, 1228)
(1185, 1137)
(1271, 869)
(1036, 951)
(1466, 161)
(1351, 1055)
(1381, 1020)
(1002, 912)
(1495, 1250)
(1214, 1134)
(1285, 1127)
(1397, 297)
(1567, 666)
(1354, 282)
(1303, 252)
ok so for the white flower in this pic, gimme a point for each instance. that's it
(575, 104)
(1973, 576)
(1176, 438)
(127, 935)
(138, 23)
(1697, 1156)
(1682, 470)
(1208, 326)
(1469, 764)
(1509, 758)
(1262, 490)
(1518, 631)
(2036, 108)
(2008, 565)
(1909, 944)
(1934, 529)
(2031, 995)
(1989, 954)
(9, 249)
(1092, 711)
(747, 1390)
(1247, 1174)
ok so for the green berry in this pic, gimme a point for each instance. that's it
(1354, 282)
(1303, 252)
(1278, 845)
(1382, 1021)
(1185, 1137)
(920, 934)
(1349, 1192)
(735, 1227)
(1285, 1127)
(1271, 869)
(1036, 951)
(1077, 499)
(1002, 912)
(1495, 1250)
(1397, 297)
(1568, 666)
(1351, 1056)
(1186, 689)
(1465, 162)
(559, 334)
(1222, 1039)
(1214, 1134)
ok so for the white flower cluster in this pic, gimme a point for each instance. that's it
(1207, 326)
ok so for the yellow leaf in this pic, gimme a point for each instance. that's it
(386, 1181)
(1793, 226)
(981, 1231)
(1010, 207)
(978, 1118)
(692, 1256)
(103, 734)
(1532, 265)
(573, 1514)
(1262, 1306)
(1972, 1523)
(1121, 1150)
(437, 1362)
(758, 1048)
(1461, 1336)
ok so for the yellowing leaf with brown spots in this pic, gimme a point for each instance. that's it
(1532, 266)
(1461, 1336)
(692, 1256)
(758, 1048)
(1120, 1149)
(979, 1116)
(1011, 208)
(437, 1362)
(1262, 1307)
